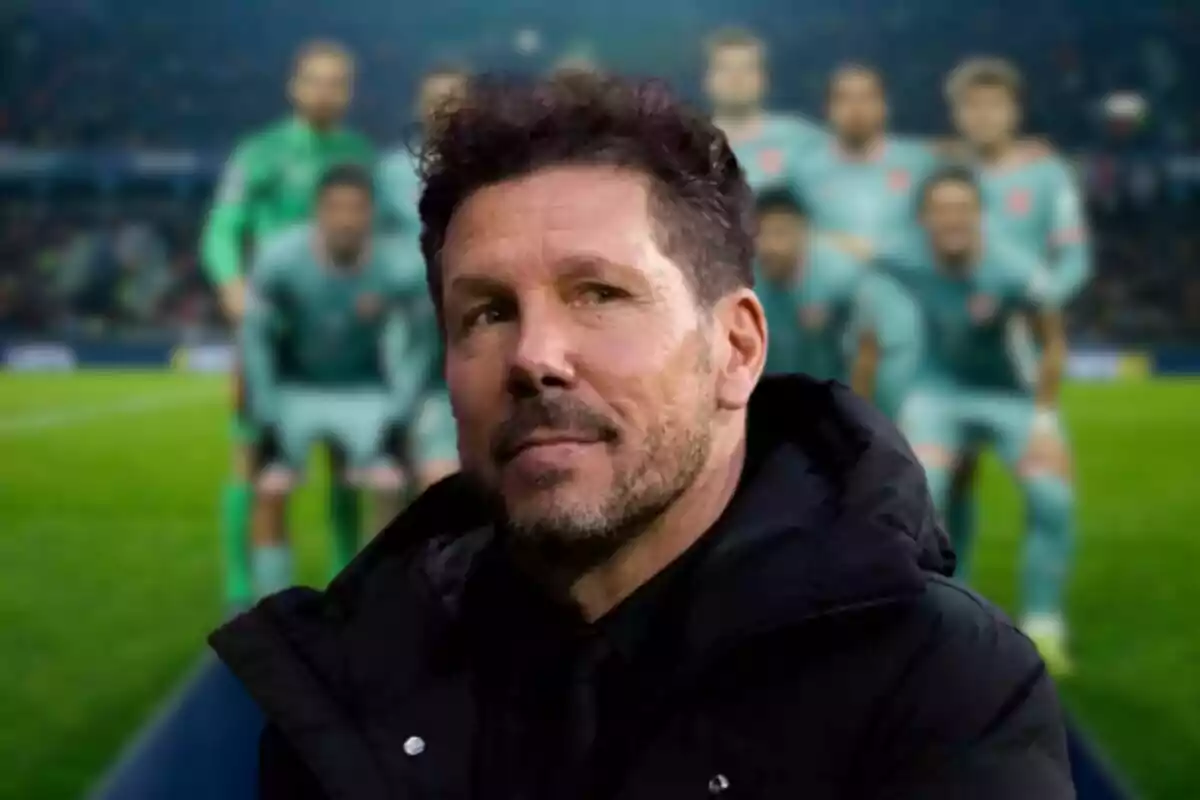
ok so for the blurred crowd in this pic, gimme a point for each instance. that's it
(105, 75)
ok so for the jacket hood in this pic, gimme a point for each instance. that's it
(832, 515)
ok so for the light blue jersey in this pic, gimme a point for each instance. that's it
(1033, 204)
(771, 153)
(874, 198)
(975, 325)
(399, 186)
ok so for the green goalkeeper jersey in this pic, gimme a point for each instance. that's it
(269, 184)
(314, 324)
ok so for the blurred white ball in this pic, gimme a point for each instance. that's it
(527, 41)
(1125, 107)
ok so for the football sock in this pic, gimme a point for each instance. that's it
(237, 498)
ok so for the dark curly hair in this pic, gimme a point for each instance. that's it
(702, 207)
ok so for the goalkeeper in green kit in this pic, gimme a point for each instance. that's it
(268, 185)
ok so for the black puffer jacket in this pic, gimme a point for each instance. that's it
(815, 650)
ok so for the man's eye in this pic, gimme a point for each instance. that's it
(488, 314)
(600, 293)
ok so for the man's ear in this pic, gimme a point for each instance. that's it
(741, 324)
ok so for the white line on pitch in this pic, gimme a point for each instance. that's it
(31, 423)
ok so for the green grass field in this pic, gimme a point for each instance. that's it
(108, 567)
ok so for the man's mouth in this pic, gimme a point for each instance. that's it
(549, 439)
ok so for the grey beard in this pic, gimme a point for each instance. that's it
(568, 546)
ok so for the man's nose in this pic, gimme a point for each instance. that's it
(542, 358)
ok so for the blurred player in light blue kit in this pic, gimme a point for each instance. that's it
(329, 357)
(1030, 202)
(767, 145)
(987, 307)
(808, 289)
(861, 183)
(432, 444)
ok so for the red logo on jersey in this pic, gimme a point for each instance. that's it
(368, 306)
(771, 161)
(982, 308)
(1019, 202)
(899, 180)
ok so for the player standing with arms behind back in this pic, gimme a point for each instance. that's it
(431, 442)
(1032, 203)
(767, 145)
(328, 356)
(269, 185)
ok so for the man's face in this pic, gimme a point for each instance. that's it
(781, 240)
(952, 219)
(344, 218)
(579, 364)
(322, 87)
(439, 93)
(736, 80)
(986, 115)
(857, 108)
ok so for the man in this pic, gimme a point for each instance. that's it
(431, 447)
(328, 358)
(767, 145)
(1032, 203)
(647, 584)
(808, 290)
(268, 185)
(985, 304)
(863, 185)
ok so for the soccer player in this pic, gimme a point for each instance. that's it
(431, 442)
(268, 186)
(767, 145)
(328, 357)
(1031, 202)
(862, 184)
(808, 289)
(987, 307)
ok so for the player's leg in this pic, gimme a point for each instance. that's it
(345, 512)
(434, 440)
(1035, 450)
(961, 508)
(283, 456)
(363, 433)
(237, 501)
(930, 422)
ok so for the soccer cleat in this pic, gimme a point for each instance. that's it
(1049, 636)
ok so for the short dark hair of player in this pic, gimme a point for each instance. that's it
(853, 69)
(779, 201)
(954, 173)
(977, 72)
(733, 39)
(698, 196)
(321, 48)
(347, 175)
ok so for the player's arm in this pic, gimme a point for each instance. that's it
(221, 244)
(1047, 322)
(1071, 257)
(257, 339)
(1051, 334)
(409, 348)
(864, 366)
